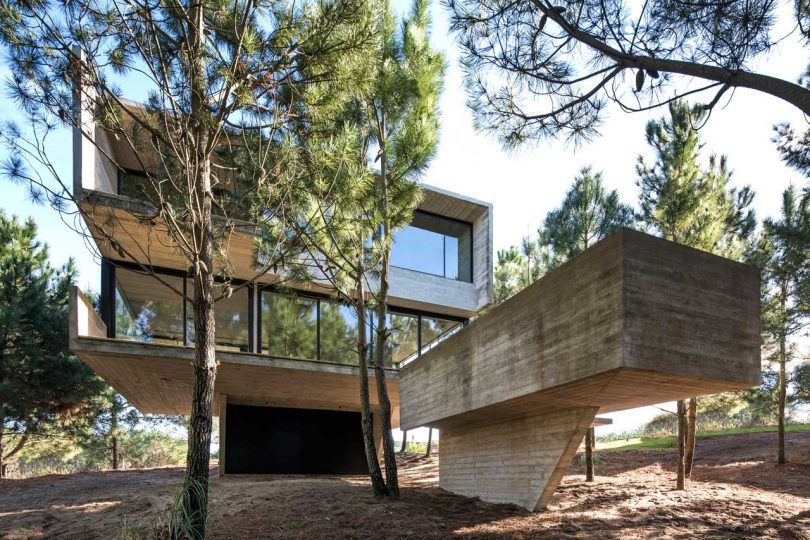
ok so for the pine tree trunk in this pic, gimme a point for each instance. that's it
(389, 453)
(691, 424)
(429, 442)
(115, 464)
(374, 471)
(2, 447)
(782, 390)
(404, 441)
(114, 434)
(589, 455)
(205, 368)
(681, 479)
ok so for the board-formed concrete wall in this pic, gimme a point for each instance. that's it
(632, 308)
(519, 461)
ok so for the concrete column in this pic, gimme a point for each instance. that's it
(519, 461)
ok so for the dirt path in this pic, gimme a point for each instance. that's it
(737, 492)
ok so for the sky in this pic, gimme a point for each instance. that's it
(524, 185)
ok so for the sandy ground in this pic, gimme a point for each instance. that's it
(737, 492)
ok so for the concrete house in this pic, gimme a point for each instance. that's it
(287, 384)
(632, 321)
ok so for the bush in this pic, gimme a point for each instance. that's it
(61, 455)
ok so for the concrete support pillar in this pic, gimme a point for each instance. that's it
(519, 461)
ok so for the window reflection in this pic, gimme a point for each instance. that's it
(435, 330)
(232, 328)
(147, 310)
(289, 325)
(435, 245)
(338, 333)
(403, 340)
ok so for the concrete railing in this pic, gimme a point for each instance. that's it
(84, 321)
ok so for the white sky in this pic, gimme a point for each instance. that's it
(525, 185)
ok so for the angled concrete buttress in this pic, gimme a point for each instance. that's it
(632, 321)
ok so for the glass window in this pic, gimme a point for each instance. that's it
(338, 333)
(435, 245)
(230, 318)
(232, 322)
(147, 310)
(403, 340)
(289, 325)
(434, 330)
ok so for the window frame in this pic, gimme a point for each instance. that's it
(108, 291)
(254, 308)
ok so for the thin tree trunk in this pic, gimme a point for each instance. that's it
(5, 459)
(2, 447)
(429, 442)
(389, 453)
(404, 441)
(205, 368)
(589, 455)
(681, 480)
(691, 424)
(114, 434)
(374, 471)
(782, 390)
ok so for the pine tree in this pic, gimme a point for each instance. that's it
(784, 253)
(42, 385)
(589, 212)
(392, 123)
(686, 203)
(225, 82)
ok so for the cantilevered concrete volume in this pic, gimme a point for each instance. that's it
(632, 321)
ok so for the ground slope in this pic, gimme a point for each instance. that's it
(737, 492)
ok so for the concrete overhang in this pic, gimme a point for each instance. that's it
(157, 378)
(632, 321)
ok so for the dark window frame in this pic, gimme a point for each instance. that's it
(254, 307)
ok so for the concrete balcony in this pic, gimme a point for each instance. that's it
(157, 378)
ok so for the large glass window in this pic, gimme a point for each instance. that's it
(435, 245)
(338, 333)
(233, 322)
(289, 326)
(403, 340)
(434, 330)
(231, 319)
(146, 310)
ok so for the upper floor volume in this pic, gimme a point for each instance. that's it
(441, 264)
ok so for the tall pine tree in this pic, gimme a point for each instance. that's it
(366, 147)
(588, 213)
(225, 82)
(42, 385)
(783, 254)
(683, 201)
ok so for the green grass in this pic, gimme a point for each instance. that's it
(671, 442)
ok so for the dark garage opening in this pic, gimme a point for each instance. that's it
(272, 440)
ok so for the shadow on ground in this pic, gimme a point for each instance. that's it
(737, 492)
